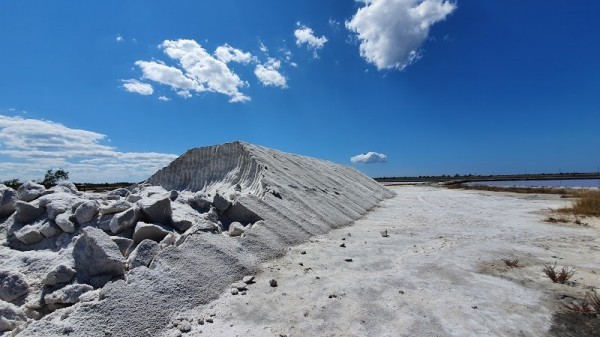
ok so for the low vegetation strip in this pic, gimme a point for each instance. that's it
(587, 203)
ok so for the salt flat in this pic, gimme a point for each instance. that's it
(439, 273)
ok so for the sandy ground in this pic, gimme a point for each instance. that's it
(439, 273)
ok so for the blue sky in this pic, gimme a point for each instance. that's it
(113, 90)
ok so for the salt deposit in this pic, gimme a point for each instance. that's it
(125, 263)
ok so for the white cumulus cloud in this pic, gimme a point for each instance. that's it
(305, 35)
(197, 71)
(227, 53)
(369, 158)
(269, 75)
(29, 147)
(164, 98)
(138, 87)
(391, 32)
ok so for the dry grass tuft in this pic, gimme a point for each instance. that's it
(560, 219)
(589, 306)
(588, 203)
(558, 277)
(511, 263)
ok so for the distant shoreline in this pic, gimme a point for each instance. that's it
(461, 179)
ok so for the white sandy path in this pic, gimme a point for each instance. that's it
(444, 252)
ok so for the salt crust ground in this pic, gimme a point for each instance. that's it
(439, 273)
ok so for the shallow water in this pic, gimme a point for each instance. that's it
(543, 183)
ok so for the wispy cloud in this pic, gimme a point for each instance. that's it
(227, 53)
(369, 158)
(164, 98)
(138, 87)
(119, 38)
(391, 32)
(28, 147)
(269, 75)
(305, 36)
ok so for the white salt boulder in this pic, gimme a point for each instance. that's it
(184, 216)
(29, 235)
(221, 203)
(30, 191)
(12, 285)
(8, 199)
(49, 229)
(27, 212)
(123, 243)
(63, 221)
(121, 192)
(57, 203)
(115, 207)
(200, 200)
(156, 209)
(86, 211)
(67, 295)
(11, 317)
(133, 198)
(66, 186)
(59, 274)
(143, 254)
(236, 229)
(97, 257)
(154, 232)
(124, 220)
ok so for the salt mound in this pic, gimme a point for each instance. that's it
(157, 249)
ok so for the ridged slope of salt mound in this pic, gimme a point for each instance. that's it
(295, 196)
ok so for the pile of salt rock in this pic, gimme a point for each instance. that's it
(92, 238)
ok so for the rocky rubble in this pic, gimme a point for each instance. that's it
(97, 238)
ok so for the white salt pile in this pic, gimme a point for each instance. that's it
(125, 263)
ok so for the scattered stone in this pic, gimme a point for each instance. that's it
(117, 206)
(26, 212)
(273, 283)
(333, 296)
(239, 286)
(401, 292)
(184, 326)
(8, 199)
(201, 320)
(12, 285)
(124, 220)
(209, 320)
(474, 307)
(30, 191)
(303, 252)
(302, 264)
(243, 293)
(59, 274)
(123, 243)
(143, 254)
(384, 233)
(343, 245)
(348, 260)
(236, 229)
(64, 222)
(221, 203)
(200, 200)
(97, 257)
(173, 195)
(155, 209)
(57, 203)
(29, 235)
(145, 231)
(248, 279)
(234, 291)
(67, 295)
(11, 317)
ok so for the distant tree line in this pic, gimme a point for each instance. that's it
(51, 178)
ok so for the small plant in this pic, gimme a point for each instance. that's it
(561, 277)
(560, 219)
(589, 306)
(514, 263)
(588, 203)
(12, 183)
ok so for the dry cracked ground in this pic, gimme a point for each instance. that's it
(439, 272)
